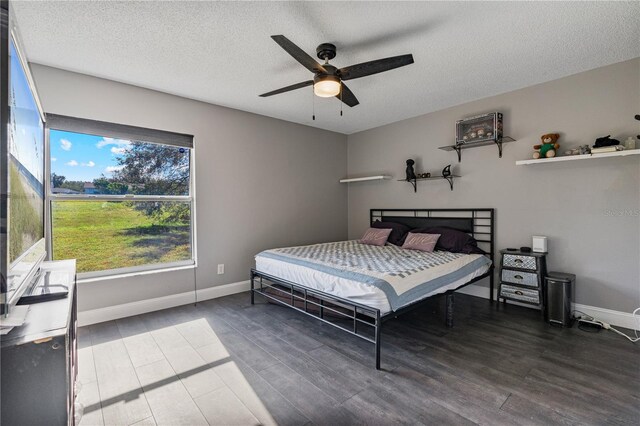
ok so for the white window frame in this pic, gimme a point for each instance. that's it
(79, 125)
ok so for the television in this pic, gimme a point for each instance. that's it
(22, 171)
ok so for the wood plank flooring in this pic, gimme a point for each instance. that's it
(225, 362)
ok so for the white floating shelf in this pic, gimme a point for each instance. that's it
(578, 157)
(366, 178)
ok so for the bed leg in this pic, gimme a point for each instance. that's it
(252, 287)
(491, 285)
(377, 343)
(449, 310)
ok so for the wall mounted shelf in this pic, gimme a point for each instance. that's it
(458, 148)
(365, 178)
(578, 157)
(413, 182)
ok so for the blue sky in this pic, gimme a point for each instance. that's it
(84, 157)
(26, 143)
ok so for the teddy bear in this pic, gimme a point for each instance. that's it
(548, 147)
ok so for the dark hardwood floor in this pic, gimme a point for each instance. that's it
(227, 362)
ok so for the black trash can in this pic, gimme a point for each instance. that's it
(558, 290)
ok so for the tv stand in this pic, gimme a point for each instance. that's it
(39, 358)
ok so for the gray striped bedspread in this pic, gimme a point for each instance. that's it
(403, 275)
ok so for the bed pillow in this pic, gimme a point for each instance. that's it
(375, 237)
(419, 241)
(452, 240)
(398, 231)
(471, 249)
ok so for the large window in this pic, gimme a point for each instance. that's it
(121, 197)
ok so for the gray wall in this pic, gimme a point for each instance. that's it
(260, 182)
(589, 209)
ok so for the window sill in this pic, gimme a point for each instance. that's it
(116, 276)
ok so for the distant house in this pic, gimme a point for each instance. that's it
(63, 191)
(90, 188)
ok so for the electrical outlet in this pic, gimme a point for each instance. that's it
(221, 269)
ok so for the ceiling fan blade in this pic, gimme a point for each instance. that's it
(298, 54)
(374, 67)
(347, 96)
(288, 88)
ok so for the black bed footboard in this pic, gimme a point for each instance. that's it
(354, 318)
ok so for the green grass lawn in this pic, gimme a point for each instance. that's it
(110, 235)
(25, 210)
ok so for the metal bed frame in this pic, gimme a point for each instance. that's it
(480, 223)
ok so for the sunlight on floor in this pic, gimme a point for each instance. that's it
(179, 374)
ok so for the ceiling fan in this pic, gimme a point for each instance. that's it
(328, 80)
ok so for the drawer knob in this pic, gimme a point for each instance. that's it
(518, 260)
(518, 277)
(519, 293)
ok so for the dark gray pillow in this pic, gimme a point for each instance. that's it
(398, 231)
(452, 240)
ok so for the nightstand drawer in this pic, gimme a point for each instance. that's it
(522, 262)
(521, 294)
(518, 277)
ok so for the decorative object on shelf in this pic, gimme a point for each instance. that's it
(411, 174)
(480, 128)
(630, 143)
(607, 149)
(548, 147)
(460, 146)
(605, 141)
(525, 249)
(581, 150)
(446, 175)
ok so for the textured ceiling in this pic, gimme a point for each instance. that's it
(222, 53)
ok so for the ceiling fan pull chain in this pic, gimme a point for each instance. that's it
(341, 100)
(313, 102)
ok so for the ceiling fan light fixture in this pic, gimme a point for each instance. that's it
(326, 86)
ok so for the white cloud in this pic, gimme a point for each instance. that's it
(65, 144)
(72, 163)
(112, 169)
(54, 159)
(89, 164)
(118, 150)
(111, 141)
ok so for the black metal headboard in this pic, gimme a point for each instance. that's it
(479, 223)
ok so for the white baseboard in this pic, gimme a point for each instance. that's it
(620, 319)
(616, 318)
(94, 316)
(124, 310)
(477, 290)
